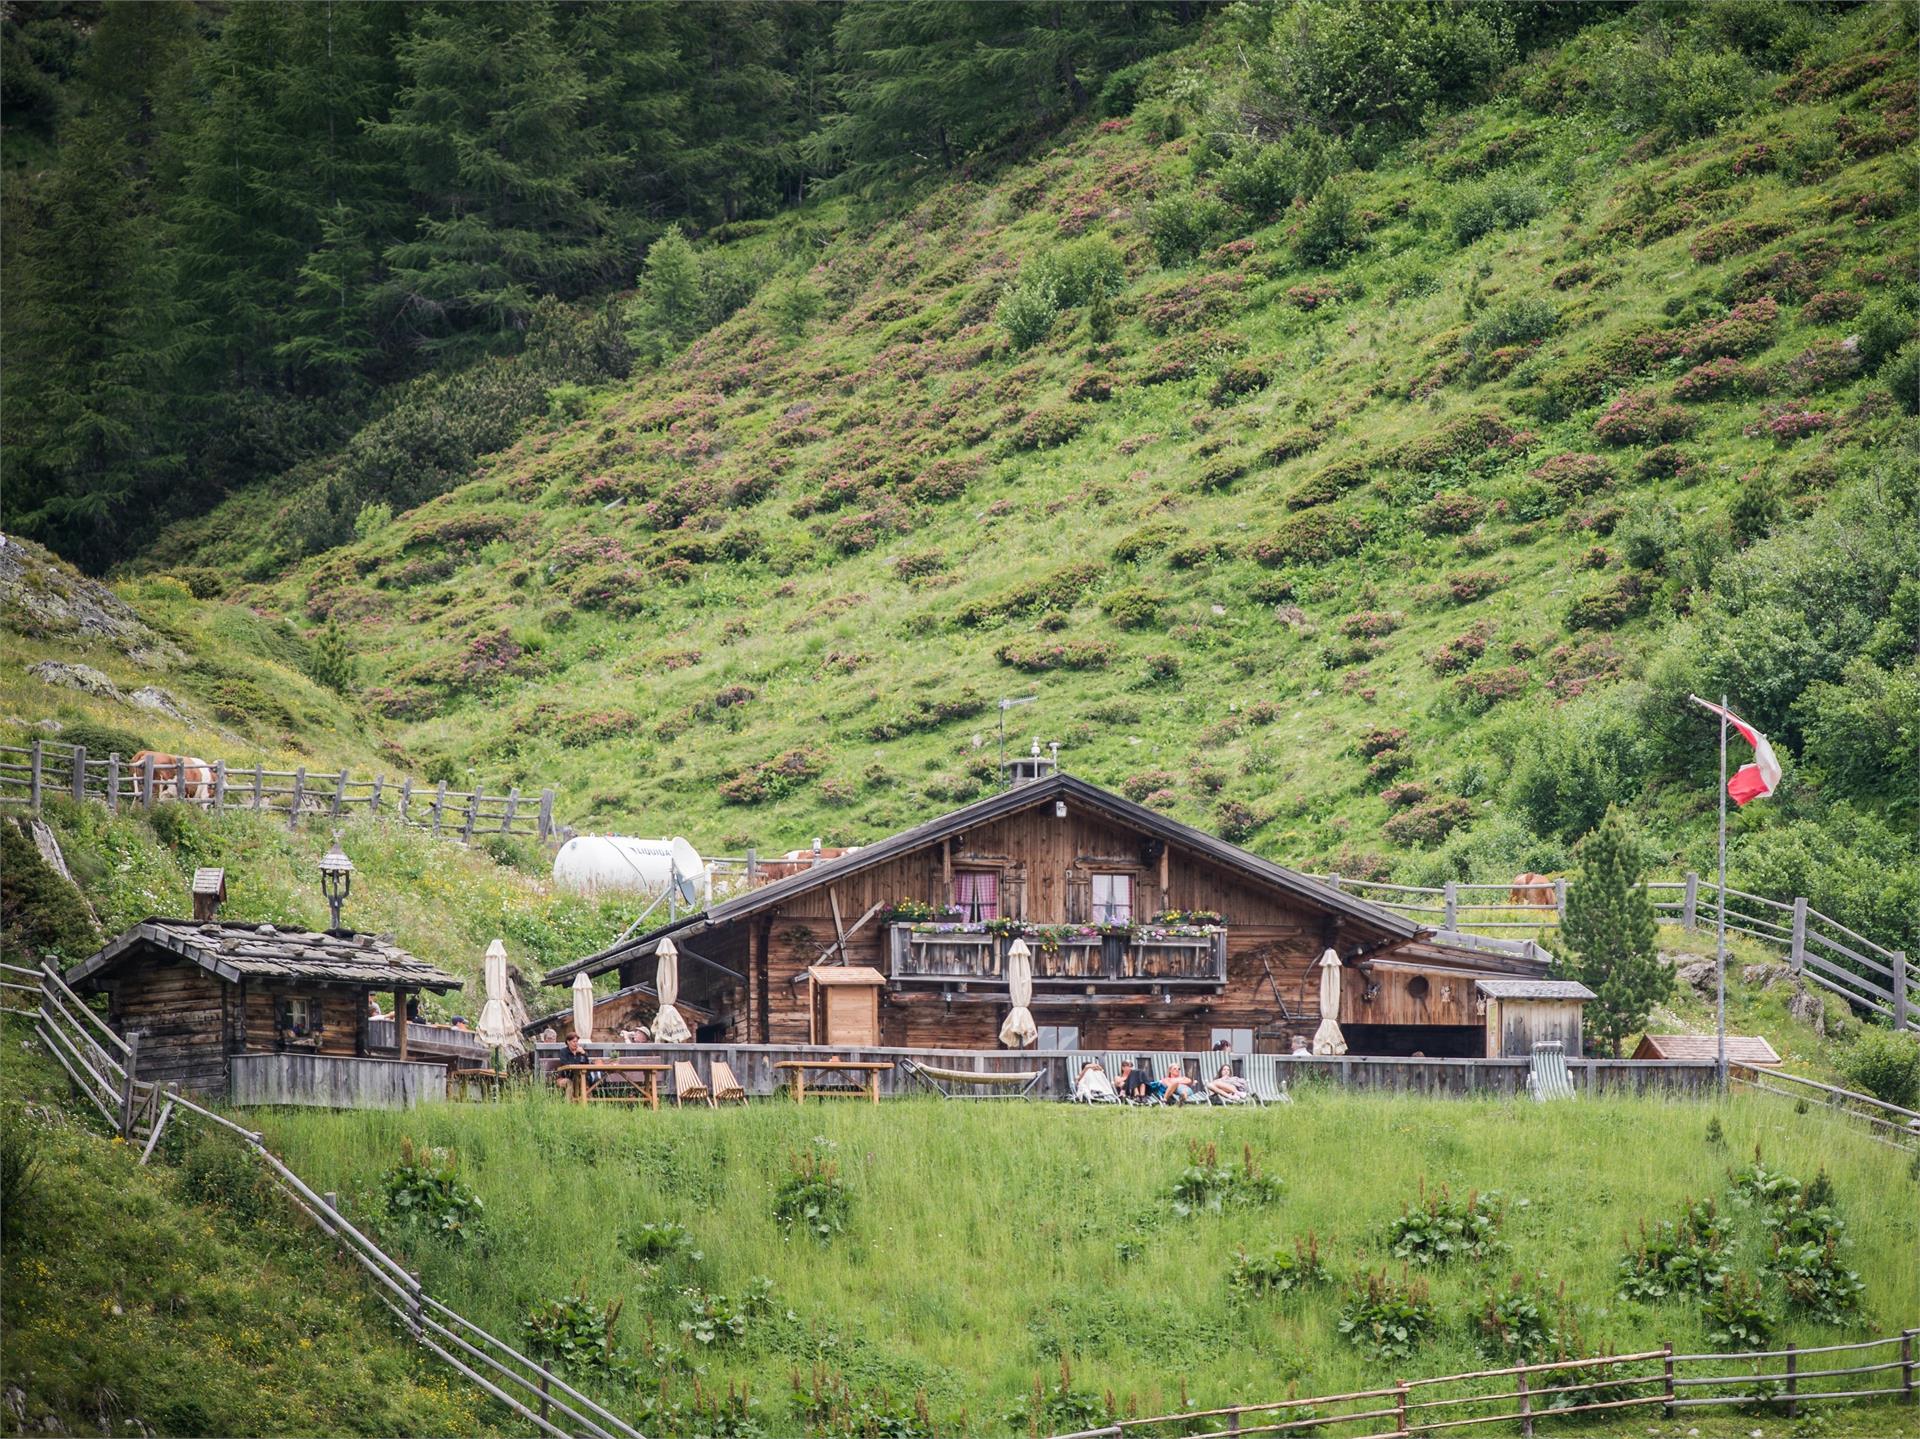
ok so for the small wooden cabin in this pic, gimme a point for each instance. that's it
(1741, 1048)
(259, 1014)
(1144, 932)
(1524, 1012)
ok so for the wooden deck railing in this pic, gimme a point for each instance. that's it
(1525, 1394)
(29, 776)
(1819, 948)
(1093, 959)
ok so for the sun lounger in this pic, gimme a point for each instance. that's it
(726, 1088)
(687, 1085)
(1075, 1065)
(1549, 1078)
(998, 1084)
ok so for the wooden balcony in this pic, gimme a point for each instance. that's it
(1078, 961)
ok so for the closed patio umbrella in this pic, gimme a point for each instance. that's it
(1018, 1032)
(496, 1027)
(668, 1026)
(1328, 1039)
(583, 1008)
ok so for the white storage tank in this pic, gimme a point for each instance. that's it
(622, 864)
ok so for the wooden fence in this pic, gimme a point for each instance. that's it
(101, 1066)
(1820, 949)
(334, 1081)
(1526, 1395)
(754, 1065)
(28, 776)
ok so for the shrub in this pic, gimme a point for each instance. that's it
(1219, 473)
(1328, 484)
(1427, 824)
(1263, 179)
(1480, 690)
(1091, 387)
(1500, 204)
(1059, 589)
(1243, 377)
(1741, 331)
(330, 662)
(1279, 1272)
(423, 1192)
(1723, 376)
(1206, 1186)
(1451, 512)
(1885, 328)
(1331, 229)
(1048, 426)
(792, 305)
(1884, 1064)
(1608, 608)
(1439, 1228)
(1313, 538)
(1788, 422)
(1388, 1318)
(1182, 223)
(1735, 237)
(775, 778)
(1512, 1327)
(1459, 652)
(1470, 585)
(1641, 418)
(1135, 607)
(1826, 307)
(1684, 1257)
(42, 914)
(1235, 821)
(1902, 377)
(1737, 1314)
(1027, 312)
(1822, 364)
(1041, 655)
(574, 1337)
(1515, 322)
(812, 1198)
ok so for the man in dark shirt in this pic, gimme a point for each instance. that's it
(576, 1054)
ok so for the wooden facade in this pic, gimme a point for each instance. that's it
(200, 994)
(1055, 852)
(1522, 1013)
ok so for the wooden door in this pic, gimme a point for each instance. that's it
(853, 1016)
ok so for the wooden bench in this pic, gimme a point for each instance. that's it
(581, 1088)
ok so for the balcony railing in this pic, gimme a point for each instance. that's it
(1151, 958)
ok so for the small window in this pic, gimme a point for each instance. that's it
(1113, 899)
(1059, 1036)
(977, 892)
(1239, 1041)
(297, 1015)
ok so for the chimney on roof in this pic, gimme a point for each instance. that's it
(209, 892)
(1028, 768)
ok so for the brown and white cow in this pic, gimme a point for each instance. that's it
(798, 861)
(1532, 889)
(177, 776)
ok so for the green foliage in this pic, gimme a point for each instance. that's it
(1182, 223)
(42, 915)
(1331, 229)
(1885, 1064)
(1739, 1313)
(1512, 1326)
(1280, 1272)
(423, 1194)
(1439, 1229)
(1265, 178)
(1493, 205)
(574, 1336)
(1136, 607)
(812, 1198)
(1513, 322)
(1206, 1186)
(793, 304)
(1608, 934)
(1027, 311)
(1387, 1318)
(331, 662)
(1684, 1257)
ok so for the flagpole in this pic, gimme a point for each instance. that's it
(1720, 944)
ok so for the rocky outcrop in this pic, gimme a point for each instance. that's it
(84, 678)
(42, 597)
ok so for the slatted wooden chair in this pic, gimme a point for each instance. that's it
(726, 1088)
(1548, 1078)
(688, 1085)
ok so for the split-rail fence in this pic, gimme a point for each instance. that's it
(29, 775)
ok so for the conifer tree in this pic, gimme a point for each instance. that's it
(1608, 935)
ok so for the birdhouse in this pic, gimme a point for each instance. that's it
(209, 893)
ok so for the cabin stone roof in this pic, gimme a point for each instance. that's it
(1532, 989)
(236, 950)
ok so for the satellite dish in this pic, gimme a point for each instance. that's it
(688, 870)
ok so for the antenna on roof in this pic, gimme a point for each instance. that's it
(1005, 705)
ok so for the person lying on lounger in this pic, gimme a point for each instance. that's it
(1093, 1085)
(1179, 1087)
(1228, 1087)
(1137, 1086)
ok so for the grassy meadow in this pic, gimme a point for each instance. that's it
(987, 1245)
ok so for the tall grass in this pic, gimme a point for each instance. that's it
(988, 1242)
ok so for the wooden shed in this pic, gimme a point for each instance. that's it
(1741, 1048)
(1523, 1012)
(846, 1004)
(259, 1014)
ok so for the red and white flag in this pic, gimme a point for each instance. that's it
(1750, 781)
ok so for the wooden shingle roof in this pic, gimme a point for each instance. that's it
(1741, 1048)
(1533, 989)
(236, 950)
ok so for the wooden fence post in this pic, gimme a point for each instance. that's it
(1671, 1394)
(1793, 1382)
(373, 802)
(1450, 906)
(1560, 900)
(126, 1089)
(79, 774)
(1907, 1391)
(1400, 1406)
(753, 866)
(513, 803)
(219, 785)
(299, 797)
(1333, 881)
(113, 781)
(473, 813)
(1690, 906)
(439, 805)
(1526, 1406)
(1899, 989)
(546, 815)
(340, 793)
(1797, 956)
(33, 782)
(1233, 1420)
(146, 782)
(259, 785)
(406, 797)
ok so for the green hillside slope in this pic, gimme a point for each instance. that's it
(1387, 535)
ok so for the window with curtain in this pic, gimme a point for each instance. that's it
(1113, 899)
(977, 892)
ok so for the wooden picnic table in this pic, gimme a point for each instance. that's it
(871, 1069)
(487, 1081)
(580, 1089)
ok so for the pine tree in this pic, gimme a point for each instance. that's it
(672, 306)
(1608, 935)
(331, 661)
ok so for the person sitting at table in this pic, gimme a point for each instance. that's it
(373, 1007)
(634, 1033)
(576, 1053)
(1178, 1086)
(1228, 1087)
(1093, 1086)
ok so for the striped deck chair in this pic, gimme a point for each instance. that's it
(687, 1085)
(1075, 1065)
(1549, 1078)
(726, 1088)
(1161, 1062)
(1242, 1065)
(1263, 1077)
